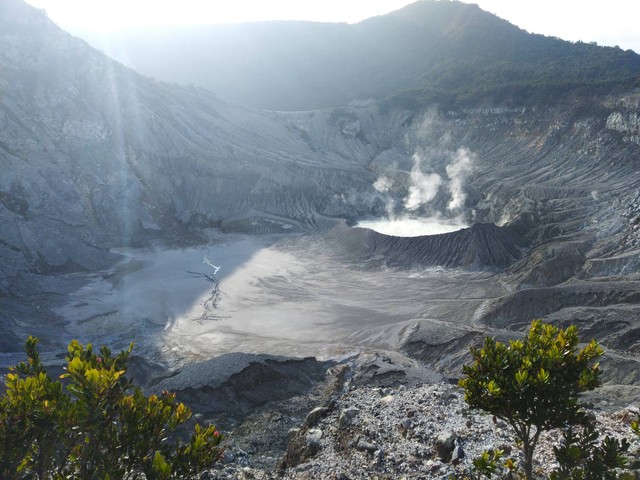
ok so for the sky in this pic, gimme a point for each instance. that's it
(607, 22)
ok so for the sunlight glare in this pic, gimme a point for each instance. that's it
(100, 15)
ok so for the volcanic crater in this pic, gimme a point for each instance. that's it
(120, 194)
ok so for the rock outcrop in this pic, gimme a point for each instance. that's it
(230, 387)
(402, 430)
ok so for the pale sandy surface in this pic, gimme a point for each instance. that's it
(286, 297)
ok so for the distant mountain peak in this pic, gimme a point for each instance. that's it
(443, 51)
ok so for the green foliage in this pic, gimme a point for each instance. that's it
(517, 70)
(491, 463)
(488, 463)
(581, 457)
(101, 427)
(533, 383)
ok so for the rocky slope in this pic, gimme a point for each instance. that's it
(93, 155)
(375, 415)
(480, 247)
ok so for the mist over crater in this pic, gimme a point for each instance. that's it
(413, 227)
(430, 199)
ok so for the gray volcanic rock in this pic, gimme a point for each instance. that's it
(443, 346)
(229, 387)
(96, 155)
(439, 424)
(537, 302)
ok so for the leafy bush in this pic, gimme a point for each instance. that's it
(100, 427)
(488, 463)
(582, 458)
(532, 384)
(492, 462)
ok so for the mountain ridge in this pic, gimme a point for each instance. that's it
(449, 48)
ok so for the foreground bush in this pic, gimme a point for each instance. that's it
(532, 384)
(97, 427)
(582, 457)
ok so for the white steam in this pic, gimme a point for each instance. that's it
(414, 227)
(423, 188)
(458, 172)
(383, 184)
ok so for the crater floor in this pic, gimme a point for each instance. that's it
(280, 295)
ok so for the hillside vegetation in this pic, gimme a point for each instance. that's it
(450, 52)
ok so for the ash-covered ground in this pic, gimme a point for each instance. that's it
(278, 295)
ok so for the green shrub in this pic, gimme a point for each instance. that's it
(488, 463)
(532, 384)
(582, 457)
(98, 426)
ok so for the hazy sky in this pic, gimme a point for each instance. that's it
(608, 22)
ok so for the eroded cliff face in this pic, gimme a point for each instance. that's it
(94, 155)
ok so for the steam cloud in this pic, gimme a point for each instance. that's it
(458, 172)
(383, 184)
(424, 187)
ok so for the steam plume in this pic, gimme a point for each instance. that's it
(424, 187)
(458, 172)
(383, 184)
